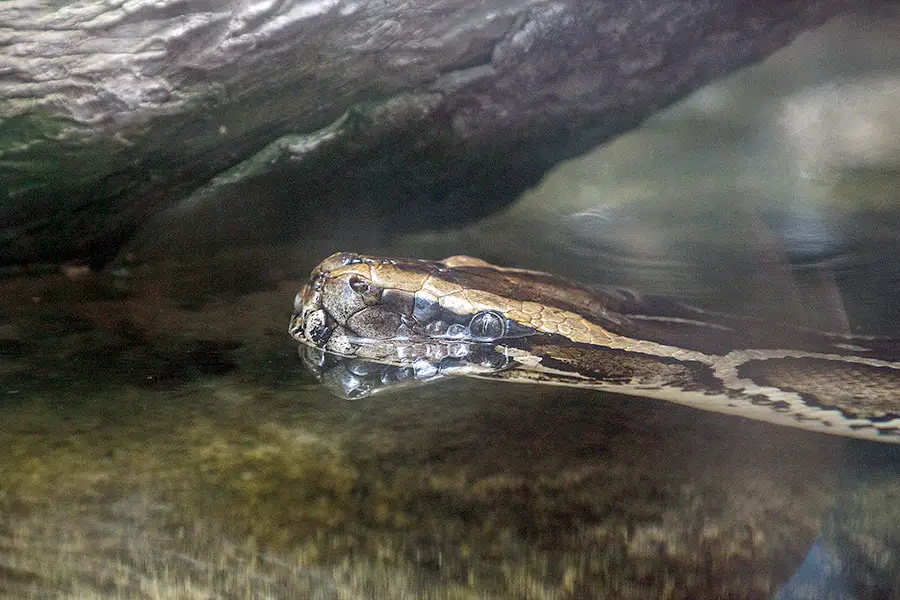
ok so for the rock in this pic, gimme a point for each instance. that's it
(270, 121)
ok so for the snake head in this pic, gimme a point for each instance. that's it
(381, 308)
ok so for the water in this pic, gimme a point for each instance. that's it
(162, 439)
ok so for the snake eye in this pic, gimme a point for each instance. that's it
(487, 326)
(317, 328)
(370, 293)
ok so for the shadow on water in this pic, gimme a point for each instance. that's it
(162, 440)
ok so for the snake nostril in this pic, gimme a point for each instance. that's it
(359, 284)
(315, 328)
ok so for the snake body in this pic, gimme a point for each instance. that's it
(465, 316)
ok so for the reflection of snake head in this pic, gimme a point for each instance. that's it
(355, 378)
(381, 308)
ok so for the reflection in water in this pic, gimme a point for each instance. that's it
(355, 378)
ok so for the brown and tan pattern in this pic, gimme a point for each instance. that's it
(463, 316)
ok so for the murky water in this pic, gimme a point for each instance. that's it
(161, 439)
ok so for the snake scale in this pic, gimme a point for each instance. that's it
(463, 316)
